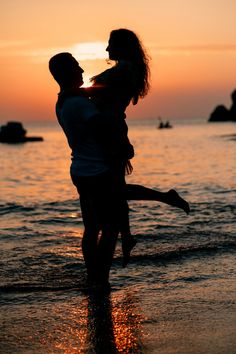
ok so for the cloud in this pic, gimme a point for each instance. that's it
(11, 44)
(97, 50)
(90, 50)
(191, 49)
(82, 51)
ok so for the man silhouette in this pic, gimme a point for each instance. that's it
(100, 189)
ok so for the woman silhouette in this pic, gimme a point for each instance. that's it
(112, 91)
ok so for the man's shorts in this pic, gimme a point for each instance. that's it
(101, 199)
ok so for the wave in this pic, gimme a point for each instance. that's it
(186, 253)
(54, 213)
(29, 288)
(57, 220)
(14, 208)
(70, 276)
(65, 206)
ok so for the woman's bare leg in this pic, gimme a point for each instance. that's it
(138, 192)
(127, 239)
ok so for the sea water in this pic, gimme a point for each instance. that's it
(177, 295)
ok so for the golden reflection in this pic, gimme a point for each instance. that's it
(127, 324)
(94, 323)
(72, 332)
(75, 215)
(114, 327)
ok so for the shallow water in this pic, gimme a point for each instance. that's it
(177, 295)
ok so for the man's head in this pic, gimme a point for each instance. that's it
(66, 70)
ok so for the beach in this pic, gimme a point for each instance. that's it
(177, 294)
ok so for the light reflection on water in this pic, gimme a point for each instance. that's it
(181, 271)
(174, 309)
(87, 324)
(114, 326)
(191, 156)
(188, 157)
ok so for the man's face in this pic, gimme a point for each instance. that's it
(78, 74)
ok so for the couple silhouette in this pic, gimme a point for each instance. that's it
(93, 120)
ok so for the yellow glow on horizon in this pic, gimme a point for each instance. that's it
(90, 50)
(81, 51)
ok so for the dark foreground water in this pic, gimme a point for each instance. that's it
(178, 293)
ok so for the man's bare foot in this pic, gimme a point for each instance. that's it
(174, 199)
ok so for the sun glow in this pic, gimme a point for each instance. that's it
(87, 82)
(82, 51)
(90, 50)
(192, 56)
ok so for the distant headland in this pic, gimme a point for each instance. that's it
(223, 114)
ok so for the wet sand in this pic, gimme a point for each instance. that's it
(175, 316)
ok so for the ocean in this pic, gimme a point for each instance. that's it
(178, 293)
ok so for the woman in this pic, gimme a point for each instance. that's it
(112, 91)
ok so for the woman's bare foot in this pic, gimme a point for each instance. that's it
(128, 243)
(174, 199)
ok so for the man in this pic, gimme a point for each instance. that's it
(100, 189)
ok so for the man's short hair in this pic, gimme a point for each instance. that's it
(62, 67)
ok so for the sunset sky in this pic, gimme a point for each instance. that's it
(192, 44)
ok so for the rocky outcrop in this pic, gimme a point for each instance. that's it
(223, 114)
(13, 132)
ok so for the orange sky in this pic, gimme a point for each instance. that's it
(192, 45)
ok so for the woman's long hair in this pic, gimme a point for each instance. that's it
(129, 47)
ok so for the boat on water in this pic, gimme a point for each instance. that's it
(14, 132)
(164, 125)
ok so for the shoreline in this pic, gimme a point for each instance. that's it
(166, 315)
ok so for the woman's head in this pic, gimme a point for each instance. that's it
(125, 45)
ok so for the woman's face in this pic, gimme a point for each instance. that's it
(113, 50)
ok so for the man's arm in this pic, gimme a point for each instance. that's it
(115, 141)
(103, 127)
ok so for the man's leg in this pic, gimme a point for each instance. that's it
(90, 237)
(110, 206)
(86, 187)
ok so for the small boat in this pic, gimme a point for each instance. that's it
(163, 125)
(13, 132)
